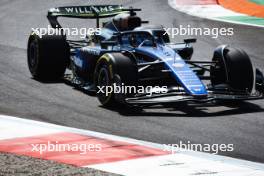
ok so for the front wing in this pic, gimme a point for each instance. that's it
(174, 98)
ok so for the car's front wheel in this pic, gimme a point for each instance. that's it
(118, 69)
(234, 68)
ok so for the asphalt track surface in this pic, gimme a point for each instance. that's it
(59, 103)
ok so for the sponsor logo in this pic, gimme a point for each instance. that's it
(88, 9)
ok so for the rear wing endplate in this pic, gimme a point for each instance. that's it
(89, 12)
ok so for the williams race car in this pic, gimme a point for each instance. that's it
(130, 53)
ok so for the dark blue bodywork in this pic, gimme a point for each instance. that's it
(181, 72)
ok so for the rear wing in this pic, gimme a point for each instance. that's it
(89, 12)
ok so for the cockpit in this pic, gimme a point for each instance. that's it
(127, 22)
(123, 22)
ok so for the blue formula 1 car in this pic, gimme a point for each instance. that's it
(138, 63)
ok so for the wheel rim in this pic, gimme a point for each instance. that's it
(103, 81)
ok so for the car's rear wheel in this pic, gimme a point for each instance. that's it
(234, 68)
(48, 56)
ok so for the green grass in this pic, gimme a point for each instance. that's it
(245, 19)
(261, 2)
